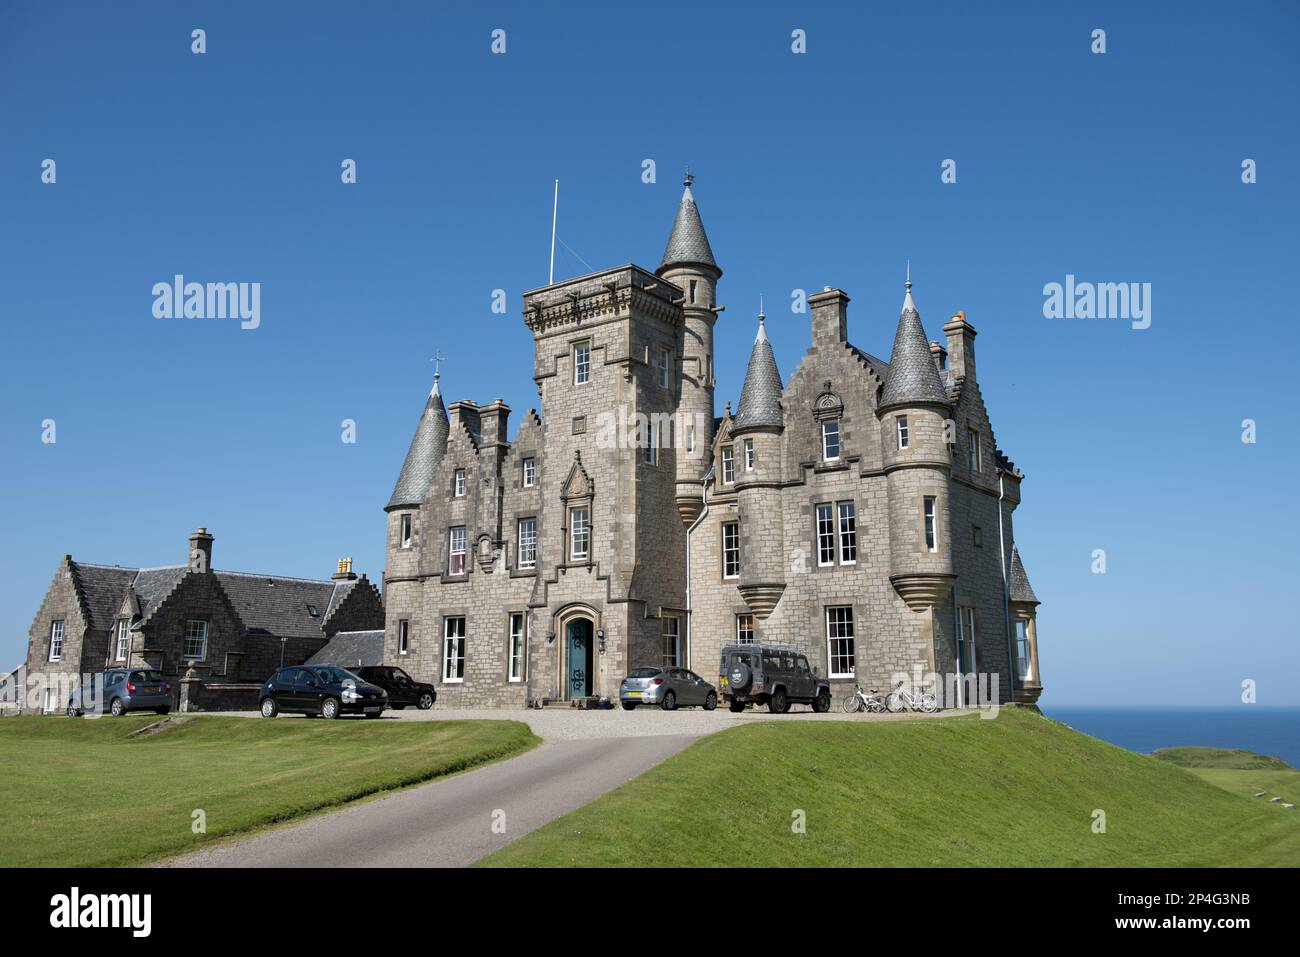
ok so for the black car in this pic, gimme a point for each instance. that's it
(324, 690)
(402, 688)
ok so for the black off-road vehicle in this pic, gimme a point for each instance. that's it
(771, 675)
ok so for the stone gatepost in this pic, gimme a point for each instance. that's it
(191, 691)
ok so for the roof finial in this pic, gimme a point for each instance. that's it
(437, 360)
(908, 284)
(687, 178)
(762, 316)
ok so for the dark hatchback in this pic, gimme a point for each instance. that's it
(402, 689)
(324, 690)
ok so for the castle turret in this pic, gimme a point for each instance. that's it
(418, 471)
(913, 410)
(688, 263)
(757, 430)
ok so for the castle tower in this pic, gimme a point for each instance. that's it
(402, 598)
(913, 410)
(757, 430)
(688, 263)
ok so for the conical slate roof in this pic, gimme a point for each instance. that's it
(425, 454)
(1021, 590)
(913, 376)
(760, 396)
(687, 243)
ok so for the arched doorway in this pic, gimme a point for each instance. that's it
(579, 657)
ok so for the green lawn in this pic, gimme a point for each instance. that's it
(85, 793)
(1243, 773)
(1018, 790)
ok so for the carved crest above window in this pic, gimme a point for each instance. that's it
(577, 487)
(828, 405)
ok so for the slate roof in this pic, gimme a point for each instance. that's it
(424, 455)
(104, 588)
(1021, 590)
(687, 243)
(273, 605)
(760, 396)
(152, 585)
(352, 649)
(913, 376)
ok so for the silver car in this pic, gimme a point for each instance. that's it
(116, 691)
(670, 688)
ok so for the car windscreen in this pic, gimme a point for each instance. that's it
(644, 673)
(146, 676)
(336, 675)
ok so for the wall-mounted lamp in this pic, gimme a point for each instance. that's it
(600, 633)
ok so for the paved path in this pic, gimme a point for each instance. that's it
(448, 823)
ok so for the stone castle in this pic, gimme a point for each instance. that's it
(859, 511)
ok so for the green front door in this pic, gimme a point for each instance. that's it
(579, 658)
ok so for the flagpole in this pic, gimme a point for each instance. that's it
(555, 211)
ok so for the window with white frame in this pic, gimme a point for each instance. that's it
(56, 640)
(902, 431)
(527, 543)
(460, 483)
(579, 534)
(693, 286)
(672, 631)
(663, 362)
(456, 550)
(123, 639)
(581, 363)
(515, 653)
(839, 641)
(730, 549)
(931, 535)
(848, 515)
(966, 639)
(453, 650)
(690, 440)
(530, 472)
(749, 455)
(728, 464)
(1022, 649)
(403, 636)
(825, 534)
(196, 640)
(51, 700)
(744, 629)
(973, 449)
(405, 535)
(830, 440)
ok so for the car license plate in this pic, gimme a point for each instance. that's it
(373, 710)
(151, 689)
(635, 694)
(723, 681)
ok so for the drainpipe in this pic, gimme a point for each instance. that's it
(1006, 597)
(704, 497)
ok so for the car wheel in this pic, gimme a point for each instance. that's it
(71, 712)
(629, 705)
(778, 703)
(710, 701)
(425, 702)
(162, 710)
(116, 708)
(329, 708)
(736, 706)
(398, 707)
(374, 714)
(822, 703)
(670, 701)
(269, 708)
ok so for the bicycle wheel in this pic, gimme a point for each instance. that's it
(894, 702)
(877, 706)
(852, 703)
(929, 704)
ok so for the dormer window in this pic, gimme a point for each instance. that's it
(460, 483)
(311, 610)
(830, 440)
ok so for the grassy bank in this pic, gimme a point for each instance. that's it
(87, 793)
(1019, 790)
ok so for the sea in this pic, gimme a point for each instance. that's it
(1271, 731)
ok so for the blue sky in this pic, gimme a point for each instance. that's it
(813, 169)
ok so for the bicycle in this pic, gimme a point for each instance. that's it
(900, 699)
(861, 700)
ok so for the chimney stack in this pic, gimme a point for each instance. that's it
(200, 551)
(830, 316)
(961, 346)
(940, 355)
(344, 572)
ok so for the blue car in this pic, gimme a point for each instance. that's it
(116, 691)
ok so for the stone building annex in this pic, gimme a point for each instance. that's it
(859, 510)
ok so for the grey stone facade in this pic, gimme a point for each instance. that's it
(624, 359)
(241, 626)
